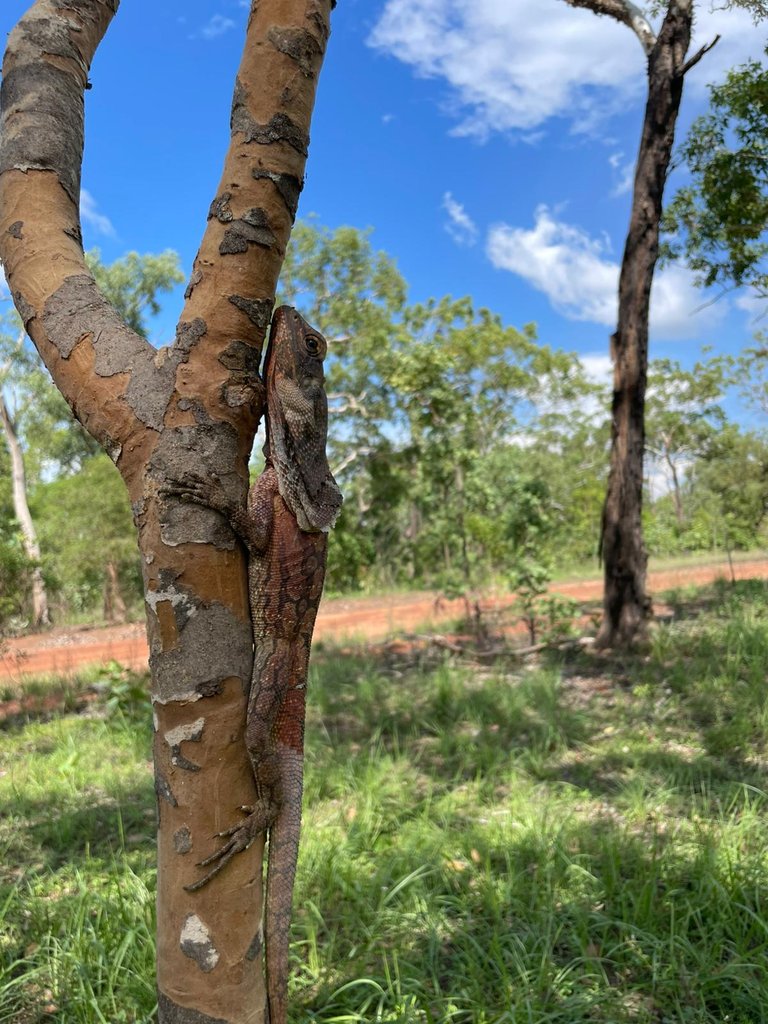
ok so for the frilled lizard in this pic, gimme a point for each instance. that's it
(291, 507)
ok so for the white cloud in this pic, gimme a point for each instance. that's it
(89, 214)
(217, 26)
(598, 366)
(580, 279)
(513, 64)
(460, 225)
(625, 171)
(563, 262)
(754, 305)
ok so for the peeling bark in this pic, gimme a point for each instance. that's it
(192, 407)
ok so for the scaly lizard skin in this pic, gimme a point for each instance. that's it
(291, 508)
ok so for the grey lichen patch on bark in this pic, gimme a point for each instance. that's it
(182, 839)
(243, 386)
(241, 359)
(169, 1012)
(153, 381)
(250, 229)
(195, 942)
(166, 591)
(288, 186)
(210, 688)
(74, 232)
(214, 645)
(194, 281)
(298, 44)
(163, 789)
(188, 333)
(279, 128)
(205, 449)
(138, 511)
(220, 208)
(42, 104)
(192, 732)
(258, 311)
(77, 310)
(27, 311)
(255, 945)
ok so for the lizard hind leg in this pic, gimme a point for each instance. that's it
(239, 838)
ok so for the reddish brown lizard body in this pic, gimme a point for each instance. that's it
(291, 507)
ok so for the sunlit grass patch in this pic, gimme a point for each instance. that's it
(583, 841)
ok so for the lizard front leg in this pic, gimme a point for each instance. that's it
(252, 525)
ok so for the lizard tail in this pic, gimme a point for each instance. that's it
(283, 852)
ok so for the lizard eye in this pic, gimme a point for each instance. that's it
(313, 345)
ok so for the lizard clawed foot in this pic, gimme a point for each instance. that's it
(191, 487)
(240, 837)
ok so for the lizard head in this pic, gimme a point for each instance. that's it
(297, 420)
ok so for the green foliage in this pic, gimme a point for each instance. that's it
(123, 692)
(133, 282)
(719, 223)
(735, 472)
(467, 451)
(479, 847)
(431, 408)
(85, 522)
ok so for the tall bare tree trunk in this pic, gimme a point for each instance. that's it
(677, 494)
(191, 408)
(114, 603)
(40, 613)
(626, 605)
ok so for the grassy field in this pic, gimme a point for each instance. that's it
(577, 840)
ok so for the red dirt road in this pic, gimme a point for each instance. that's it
(63, 650)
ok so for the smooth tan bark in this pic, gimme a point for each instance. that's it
(192, 407)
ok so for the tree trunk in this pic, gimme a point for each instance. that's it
(114, 605)
(676, 492)
(191, 408)
(40, 614)
(626, 605)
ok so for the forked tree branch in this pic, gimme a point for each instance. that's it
(627, 13)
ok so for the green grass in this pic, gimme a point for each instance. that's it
(579, 841)
(591, 569)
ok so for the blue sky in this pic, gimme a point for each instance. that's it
(489, 144)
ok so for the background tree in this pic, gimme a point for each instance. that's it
(40, 434)
(682, 417)
(430, 404)
(718, 223)
(626, 605)
(11, 350)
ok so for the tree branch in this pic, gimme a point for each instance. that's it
(692, 61)
(627, 13)
(45, 73)
(348, 459)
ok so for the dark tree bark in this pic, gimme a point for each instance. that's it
(626, 604)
